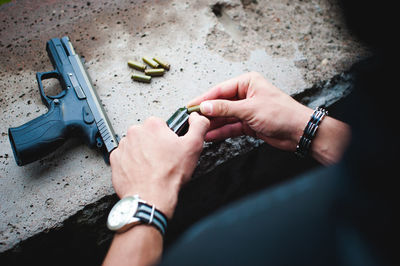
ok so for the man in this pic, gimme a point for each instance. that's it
(343, 214)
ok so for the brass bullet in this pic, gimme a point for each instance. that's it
(137, 65)
(141, 78)
(150, 62)
(162, 63)
(195, 108)
(154, 72)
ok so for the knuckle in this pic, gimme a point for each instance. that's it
(122, 142)
(153, 121)
(131, 131)
(218, 91)
(222, 108)
(255, 74)
(200, 119)
(205, 122)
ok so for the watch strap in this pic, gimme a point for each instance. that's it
(157, 214)
(150, 215)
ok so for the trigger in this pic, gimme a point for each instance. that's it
(87, 115)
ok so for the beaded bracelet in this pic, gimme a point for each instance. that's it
(309, 132)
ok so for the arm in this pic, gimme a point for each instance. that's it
(153, 162)
(141, 245)
(332, 139)
(250, 105)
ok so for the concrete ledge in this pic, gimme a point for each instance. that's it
(84, 240)
(295, 45)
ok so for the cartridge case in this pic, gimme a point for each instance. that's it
(150, 62)
(141, 78)
(163, 64)
(195, 108)
(154, 72)
(137, 65)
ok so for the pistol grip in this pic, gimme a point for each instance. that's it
(38, 137)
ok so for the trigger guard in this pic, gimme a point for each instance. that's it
(46, 75)
(58, 96)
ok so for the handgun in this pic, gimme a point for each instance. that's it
(75, 112)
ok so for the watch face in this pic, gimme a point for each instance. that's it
(122, 213)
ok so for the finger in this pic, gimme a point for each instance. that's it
(198, 126)
(224, 108)
(153, 122)
(216, 122)
(229, 89)
(227, 131)
(131, 131)
(156, 125)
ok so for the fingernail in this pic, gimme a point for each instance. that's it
(206, 108)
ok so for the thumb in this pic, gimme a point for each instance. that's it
(198, 126)
(223, 108)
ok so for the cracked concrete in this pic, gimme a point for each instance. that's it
(293, 43)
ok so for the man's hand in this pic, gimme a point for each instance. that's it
(250, 105)
(154, 162)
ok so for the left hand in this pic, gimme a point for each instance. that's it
(154, 162)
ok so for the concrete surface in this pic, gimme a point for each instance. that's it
(295, 44)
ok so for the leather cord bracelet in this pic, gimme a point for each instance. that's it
(310, 131)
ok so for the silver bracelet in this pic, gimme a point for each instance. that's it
(310, 131)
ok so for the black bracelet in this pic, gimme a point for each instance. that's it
(309, 132)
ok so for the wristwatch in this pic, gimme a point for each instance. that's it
(131, 211)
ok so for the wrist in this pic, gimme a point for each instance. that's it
(166, 204)
(301, 118)
(133, 210)
(304, 145)
(324, 140)
(331, 141)
(163, 199)
(132, 247)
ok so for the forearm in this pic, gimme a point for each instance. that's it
(141, 245)
(331, 141)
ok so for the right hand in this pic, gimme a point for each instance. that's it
(154, 162)
(250, 105)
